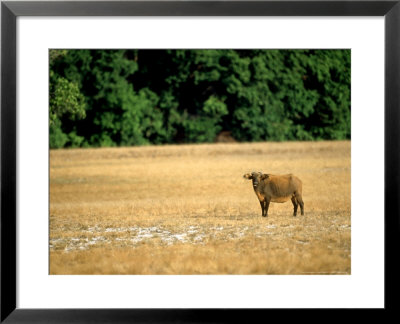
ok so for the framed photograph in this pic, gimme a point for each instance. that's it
(193, 161)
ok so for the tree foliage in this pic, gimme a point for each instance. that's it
(139, 97)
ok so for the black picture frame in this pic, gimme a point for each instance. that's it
(10, 10)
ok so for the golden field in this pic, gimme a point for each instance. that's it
(186, 209)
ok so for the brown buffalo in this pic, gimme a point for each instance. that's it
(277, 188)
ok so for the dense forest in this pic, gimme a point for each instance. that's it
(140, 97)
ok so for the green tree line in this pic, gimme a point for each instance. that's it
(140, 97)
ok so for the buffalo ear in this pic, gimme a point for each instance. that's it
(248, 176)
(264, 176)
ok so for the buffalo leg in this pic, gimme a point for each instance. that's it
(295, 205)
(301, 203)
(266, 206)
(262, 207)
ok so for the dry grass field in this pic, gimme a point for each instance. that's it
(187, 210)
